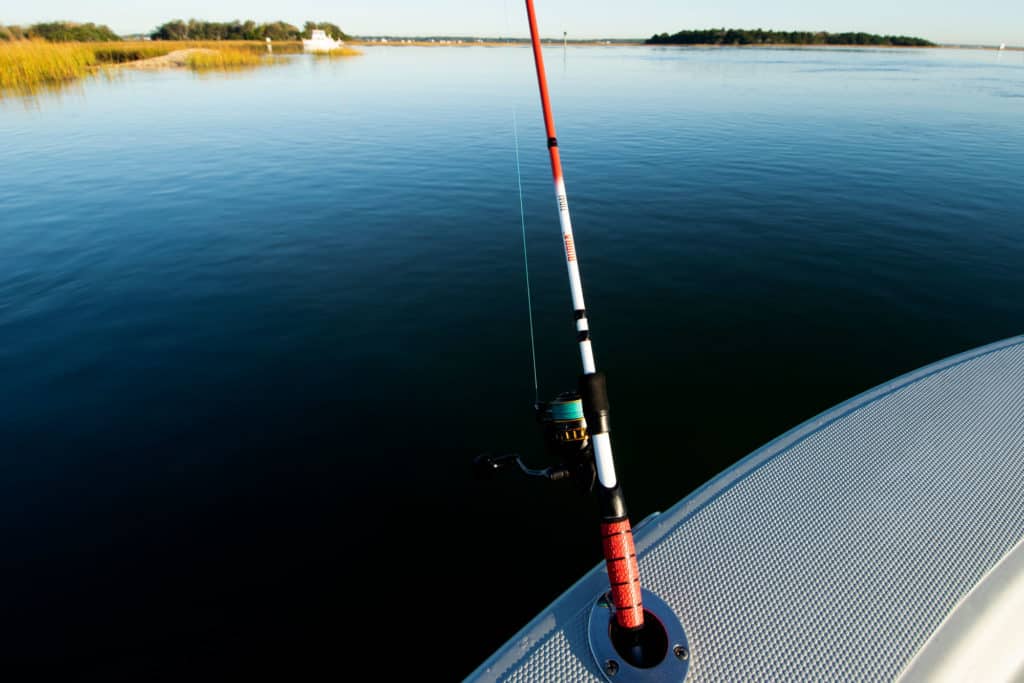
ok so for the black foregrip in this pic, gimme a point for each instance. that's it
(594, 392)
(612, 503)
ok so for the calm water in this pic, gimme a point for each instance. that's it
(253, 328)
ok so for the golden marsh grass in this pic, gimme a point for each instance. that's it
(230, 58)
(119, 53)
(339, 52)
(26, 66)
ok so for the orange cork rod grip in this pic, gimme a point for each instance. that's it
(623, 573)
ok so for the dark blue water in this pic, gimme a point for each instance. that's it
(254, 327)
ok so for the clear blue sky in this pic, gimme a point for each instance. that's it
(993, 21)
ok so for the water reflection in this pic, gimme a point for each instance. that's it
(217, 299)
(29, 94)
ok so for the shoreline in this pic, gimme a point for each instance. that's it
(846, 47)
(552, 42)
(25, 65)
(177, 59)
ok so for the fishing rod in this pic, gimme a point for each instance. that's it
(577, 439)
(616, 532)
(631, 630)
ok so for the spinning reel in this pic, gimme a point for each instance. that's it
(567, 445)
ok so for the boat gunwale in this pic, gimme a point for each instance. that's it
(568, 605)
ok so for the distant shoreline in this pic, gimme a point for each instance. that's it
(399, 42)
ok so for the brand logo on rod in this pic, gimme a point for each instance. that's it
(570, 248)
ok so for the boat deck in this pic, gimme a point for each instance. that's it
(836, 551)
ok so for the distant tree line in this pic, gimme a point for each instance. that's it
(736, 36)
(68, 31)
(59, 32)
(332, 30)
(239, 30)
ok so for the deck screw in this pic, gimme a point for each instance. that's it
(611, 667)
(681, 652)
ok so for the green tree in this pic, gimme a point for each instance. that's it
(735, 36)
(65, 31)
(172, 30)
(280, 30)
(332, 30)
(230, 30)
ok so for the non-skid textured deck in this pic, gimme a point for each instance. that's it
(835, 551)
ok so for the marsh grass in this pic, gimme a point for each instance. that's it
(338, 52)
(26, 66)
(230, 58)
(119, 53)
(254, 46)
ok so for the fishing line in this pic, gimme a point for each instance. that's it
(526, 260)
(522, 223)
